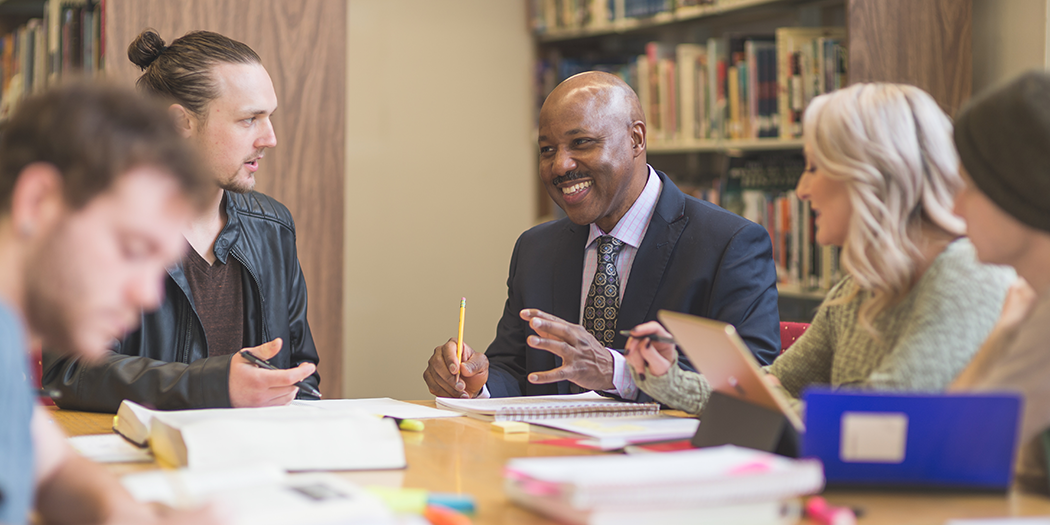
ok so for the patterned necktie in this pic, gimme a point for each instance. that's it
(603, 298)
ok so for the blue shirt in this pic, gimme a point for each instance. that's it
(16, 413)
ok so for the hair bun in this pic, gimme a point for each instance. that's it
(146, 48)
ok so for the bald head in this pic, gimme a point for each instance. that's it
(602, 93)
(592, 148)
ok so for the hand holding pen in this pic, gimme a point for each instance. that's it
(306, 387)
(650, 349)
(255, 385)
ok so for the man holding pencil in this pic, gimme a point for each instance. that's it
(632, 244)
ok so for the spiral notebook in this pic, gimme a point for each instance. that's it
(587, 404)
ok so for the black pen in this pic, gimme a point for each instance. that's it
(262, 363)
(652, 337)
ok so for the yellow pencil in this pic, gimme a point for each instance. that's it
(459, 340)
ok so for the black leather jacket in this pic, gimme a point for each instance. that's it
(164, 363)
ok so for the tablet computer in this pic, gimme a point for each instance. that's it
(717, 351)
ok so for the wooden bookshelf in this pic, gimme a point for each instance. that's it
(679, 15)
(926, 43)
(730, 147)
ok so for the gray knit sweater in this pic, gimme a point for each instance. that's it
(924, 340)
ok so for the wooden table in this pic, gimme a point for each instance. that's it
(462, 455)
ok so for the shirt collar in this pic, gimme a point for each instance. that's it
(640, 213)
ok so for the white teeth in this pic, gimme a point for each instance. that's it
(575, 188)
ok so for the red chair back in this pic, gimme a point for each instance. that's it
(789, 333)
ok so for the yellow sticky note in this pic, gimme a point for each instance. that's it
(510, 427)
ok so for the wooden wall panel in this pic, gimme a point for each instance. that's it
(303, 46)
(926, 43)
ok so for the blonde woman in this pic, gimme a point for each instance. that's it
(915, 305)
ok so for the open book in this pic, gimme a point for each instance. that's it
(588, 404)
(292, 437)
(261, 495)
(133, 419)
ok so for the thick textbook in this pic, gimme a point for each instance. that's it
(722, 484)
(588, 404)
(292, 437)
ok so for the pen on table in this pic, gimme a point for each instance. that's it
(412, 425)
(459, 339)
(48, 392)
(262, 363)
(652, 337)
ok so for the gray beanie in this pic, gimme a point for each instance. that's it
(1003, 138)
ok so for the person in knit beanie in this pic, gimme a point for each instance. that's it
(1003, 138)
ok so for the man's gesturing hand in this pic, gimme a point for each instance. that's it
(584, 360)
(441, 371)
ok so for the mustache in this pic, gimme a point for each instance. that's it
(570, 176)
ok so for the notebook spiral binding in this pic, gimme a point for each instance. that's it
(515, 413)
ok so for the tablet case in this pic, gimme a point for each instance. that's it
(906, 440)
(728, 420)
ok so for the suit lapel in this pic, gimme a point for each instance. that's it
(647, 272)
(568, 272)
(567, 278)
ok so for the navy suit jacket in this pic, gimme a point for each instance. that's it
(695, 258)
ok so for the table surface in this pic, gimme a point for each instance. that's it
(462, 455)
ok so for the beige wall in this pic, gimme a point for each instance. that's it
(1009, 37)
(439, 180)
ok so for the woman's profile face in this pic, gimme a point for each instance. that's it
(828, 198)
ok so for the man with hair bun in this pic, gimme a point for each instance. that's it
(240, 285)
(1002, 138)
(95, 189)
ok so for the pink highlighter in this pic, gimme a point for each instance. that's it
(818, 509)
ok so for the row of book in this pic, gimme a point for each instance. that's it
(561, 15)
(762, 189)
(67, 40)
(733, 87)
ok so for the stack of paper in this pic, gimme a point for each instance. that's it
(610, 423)
(262, 495)
(615, 433)
(725, 485)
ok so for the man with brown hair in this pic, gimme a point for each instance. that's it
(240, 285)
(95, 188)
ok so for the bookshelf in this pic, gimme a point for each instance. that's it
(926, 43)
(43, 42)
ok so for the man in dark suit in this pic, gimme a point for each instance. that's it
(632, 244)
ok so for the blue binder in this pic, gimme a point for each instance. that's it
(895, 440)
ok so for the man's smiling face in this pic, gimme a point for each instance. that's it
(587, 154)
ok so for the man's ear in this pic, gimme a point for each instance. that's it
(185, 122)
(638, 137)
(37, 202)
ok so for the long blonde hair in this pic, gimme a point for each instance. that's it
(892, 145)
